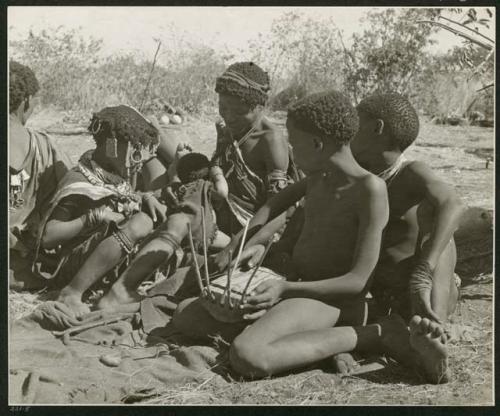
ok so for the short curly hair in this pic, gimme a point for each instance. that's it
(328, 114)
(22, 84)
(399, 117)
(248, 95)
(193, 166)
(124, 123)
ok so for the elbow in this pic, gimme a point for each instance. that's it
(360, 288)
(48, 240)
(358, 285)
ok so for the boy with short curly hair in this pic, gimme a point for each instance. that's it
(301, 321)
(415, 273)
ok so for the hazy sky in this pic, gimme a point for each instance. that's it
(125, 28)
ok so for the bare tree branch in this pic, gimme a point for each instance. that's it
(458, 33)
(486, 87)
(468, 28)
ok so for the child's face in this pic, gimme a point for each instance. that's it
(237, 115)
(367, 140)
(306, 153)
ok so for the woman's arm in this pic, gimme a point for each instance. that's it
(268, 217)
(58, 232)
(266, 220)
(62, 229)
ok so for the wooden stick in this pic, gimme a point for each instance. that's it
(261, 260)
(205, 256)
(240, 250)
(195, 260)
(227, 292)
(150, 76)
(81, 328)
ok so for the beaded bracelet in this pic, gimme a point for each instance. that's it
(94, 217)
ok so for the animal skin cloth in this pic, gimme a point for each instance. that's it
(30, 191)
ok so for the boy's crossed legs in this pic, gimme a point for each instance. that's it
(294, 333)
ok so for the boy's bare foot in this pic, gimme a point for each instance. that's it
(344, 363)
(428, 340)
(118, 295)
(73, 300)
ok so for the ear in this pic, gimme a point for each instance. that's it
(258, 109)
(318, 144)
(379, 126)
(27, 103)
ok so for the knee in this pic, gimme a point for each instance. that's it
(248, 359)
(179, 317)
(139, 226)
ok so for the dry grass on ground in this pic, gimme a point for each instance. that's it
(458, 155)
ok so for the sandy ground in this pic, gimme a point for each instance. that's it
(458, 154)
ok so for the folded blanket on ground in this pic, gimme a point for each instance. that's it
(108, 357)
(113, 363)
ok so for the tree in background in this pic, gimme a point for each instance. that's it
(75, 75)
(389, 54)
(466, 73)
(62, 61)
(302, 56)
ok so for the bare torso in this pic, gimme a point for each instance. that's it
(327, 242)
(255, 150)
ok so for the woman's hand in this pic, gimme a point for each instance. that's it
(172, 200)
(249, 257)
(221, 259)
(263, 297)
(183, 149)
(109, 216)
(154, 121)
(154, 208)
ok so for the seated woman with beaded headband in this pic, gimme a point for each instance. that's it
(95, 219)
(253, 154)
(36, 165)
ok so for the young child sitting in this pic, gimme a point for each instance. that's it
(94, 219)
(323, 312)
(415, 273)
(196, 184)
